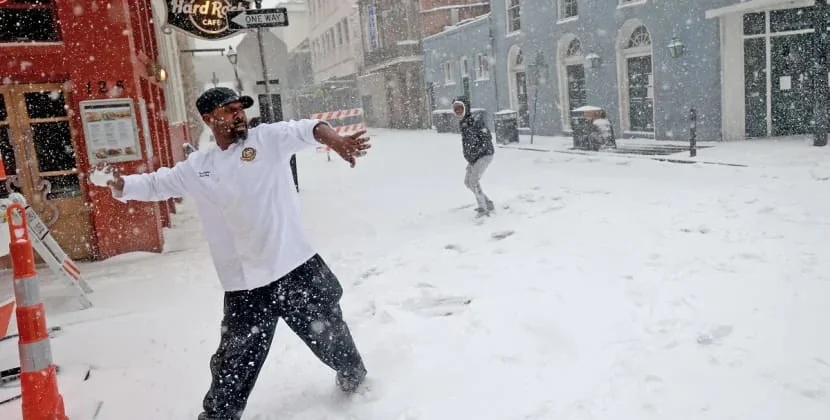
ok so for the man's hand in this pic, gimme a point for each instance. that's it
(348, 147)
(116, 183)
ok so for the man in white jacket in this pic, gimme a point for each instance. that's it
(245, 195)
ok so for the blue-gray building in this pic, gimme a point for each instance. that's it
(744, 66)
(468, 59)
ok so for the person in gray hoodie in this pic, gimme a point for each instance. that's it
(477, 144)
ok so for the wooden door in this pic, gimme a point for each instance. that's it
(38, 150)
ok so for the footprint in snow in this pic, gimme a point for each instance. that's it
(714, 335)
(502, 234)
(703, 229)
(437, 307)
(454, 247)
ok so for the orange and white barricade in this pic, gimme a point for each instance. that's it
(38, 374)
(6, 311)
(49, 250)
(344, 122)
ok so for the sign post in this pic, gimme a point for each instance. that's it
(220, 19)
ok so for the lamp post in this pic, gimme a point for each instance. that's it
(233, 58)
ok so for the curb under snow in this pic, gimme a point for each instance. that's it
(628, 156)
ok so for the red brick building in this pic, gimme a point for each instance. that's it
(438, 14)
(391, 82)
(66, 67)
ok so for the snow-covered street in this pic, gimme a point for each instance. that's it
(605, 287)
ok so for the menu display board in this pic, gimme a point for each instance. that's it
(111, 131)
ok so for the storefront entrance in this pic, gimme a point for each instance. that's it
(38, 151)
(778, 56)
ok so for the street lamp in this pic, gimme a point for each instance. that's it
(676, 47)
(233, 58)
(593, 60)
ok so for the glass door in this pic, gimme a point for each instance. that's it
(38, 151)
(641, 94)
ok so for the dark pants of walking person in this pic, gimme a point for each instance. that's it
(308, 300)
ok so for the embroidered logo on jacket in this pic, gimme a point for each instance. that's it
(204, 174)
(248, 154)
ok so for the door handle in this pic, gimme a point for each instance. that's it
(42, 187)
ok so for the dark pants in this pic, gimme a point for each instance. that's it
(308, 300)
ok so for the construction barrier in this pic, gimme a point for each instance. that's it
(344, 122)
(49, 249)
(38, 375)
(6, 311)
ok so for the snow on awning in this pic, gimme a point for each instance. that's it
(588, 108)
(756, 5)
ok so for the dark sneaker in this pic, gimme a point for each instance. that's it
(350, 382)
(490, 205)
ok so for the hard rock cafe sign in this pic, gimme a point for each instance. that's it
(205, 19)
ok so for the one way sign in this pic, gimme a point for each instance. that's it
(258, 18)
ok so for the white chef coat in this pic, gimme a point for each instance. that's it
(247, 201)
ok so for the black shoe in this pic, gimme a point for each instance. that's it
(349, 382)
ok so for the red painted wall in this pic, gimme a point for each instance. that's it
(113, 41)
(179, 135)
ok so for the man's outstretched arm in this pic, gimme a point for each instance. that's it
(160, 185)
(348, 147)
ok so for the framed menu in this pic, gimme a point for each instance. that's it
(111, 131)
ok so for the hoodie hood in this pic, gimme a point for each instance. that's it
(464, 102)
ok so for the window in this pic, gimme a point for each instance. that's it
(482, 67)
(567, 9)
(28, 21)
(339, 33)
(639, 38)
(574, 49)
(465, 67)
(514, 16)
(346, 29)
(449, 77)
(791, 20)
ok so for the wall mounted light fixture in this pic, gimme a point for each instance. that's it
(676, 47)
(593, 60)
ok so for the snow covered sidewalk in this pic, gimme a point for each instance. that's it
(783, 152)
(604, 288)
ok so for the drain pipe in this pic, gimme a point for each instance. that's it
(493, 73)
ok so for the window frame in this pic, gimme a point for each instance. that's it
(629, 3)
(449, 73)
(563, 5)
(50, 5)
(510, 6)
(482, 66)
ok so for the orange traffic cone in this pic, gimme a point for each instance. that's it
(38, 375)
